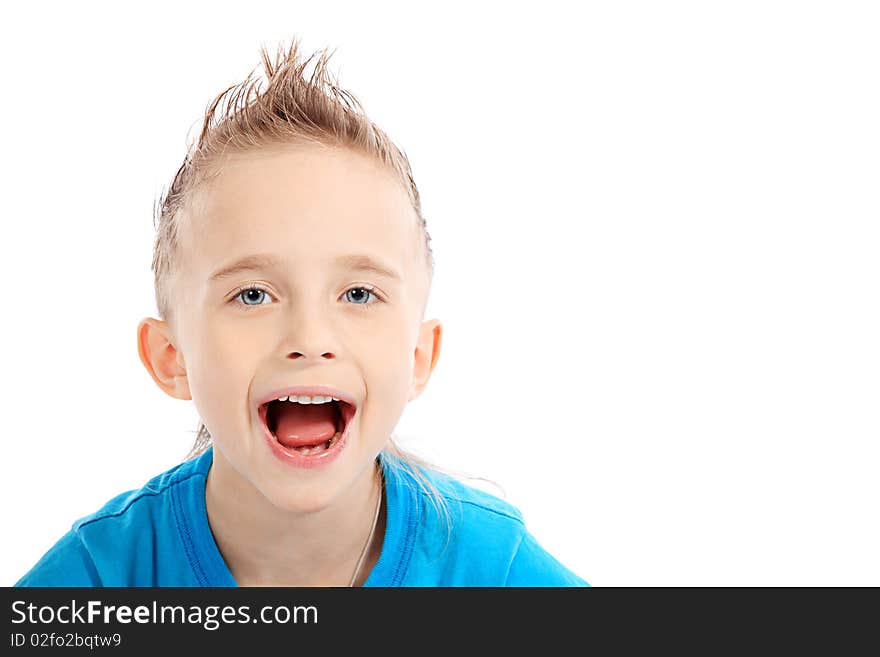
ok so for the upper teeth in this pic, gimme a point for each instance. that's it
(308, 399)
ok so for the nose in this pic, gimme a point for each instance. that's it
(299, 354)
(310, 336)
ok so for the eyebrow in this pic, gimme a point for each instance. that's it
(263, 261)
(249, 263)
(366, 263)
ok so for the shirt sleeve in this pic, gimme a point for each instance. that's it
(532, 565)
(67, 563)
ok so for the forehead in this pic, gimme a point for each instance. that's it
(307, 205)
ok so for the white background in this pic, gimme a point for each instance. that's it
(656, 235)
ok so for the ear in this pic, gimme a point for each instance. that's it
(162, 359)
(426, 354)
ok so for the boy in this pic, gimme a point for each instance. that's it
(292, 269)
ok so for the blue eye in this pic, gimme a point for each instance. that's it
(365, 293)
(247, 294)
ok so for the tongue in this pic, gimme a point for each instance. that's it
(304, 424)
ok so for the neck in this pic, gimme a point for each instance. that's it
(264, 545)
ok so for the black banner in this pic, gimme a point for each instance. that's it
(135, 621)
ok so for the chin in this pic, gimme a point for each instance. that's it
(306, 498)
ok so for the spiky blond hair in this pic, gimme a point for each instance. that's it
(291, 110)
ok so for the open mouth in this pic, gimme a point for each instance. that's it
(307, 428)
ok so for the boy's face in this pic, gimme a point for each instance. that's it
(312, 209)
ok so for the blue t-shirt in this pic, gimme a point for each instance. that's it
(160, 536)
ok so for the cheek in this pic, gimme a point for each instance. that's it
(390, 365)
(219, 373)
